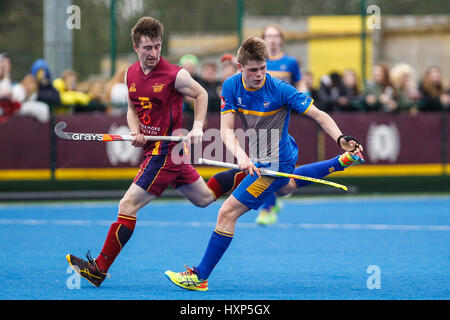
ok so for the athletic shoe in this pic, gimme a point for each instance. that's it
(87, 269)
(187, 280)
(346, 159)
(269, 217)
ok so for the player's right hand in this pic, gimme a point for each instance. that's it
(248, 167)
(138, 139)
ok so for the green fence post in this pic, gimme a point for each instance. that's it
(112, 49)
(363, 42)
(240, 16)
(53, 151)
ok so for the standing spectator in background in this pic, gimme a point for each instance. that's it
(5, 77)
(7, 106)
(279, 64)
(46, 92)
(229, 66)
(26, 93)
(352, 101)
(405, 89)
(379, 93)
(190, 63)
(209, 81)
(116, 91)
(96, 93)
(68, 91)
(433, 96)
(307, 87)
(332, 92)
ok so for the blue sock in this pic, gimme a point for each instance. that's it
(270, 202)
(317, 170)
(217, 246)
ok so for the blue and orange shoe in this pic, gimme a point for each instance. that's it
(346, 159)
(188, 279)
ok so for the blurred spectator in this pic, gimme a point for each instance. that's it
(405, 90)
(332, 92)
(209, 81)
(67, 88)
(353, 100)
(7, 106)
(190, 63)
(5, 77)
(46, 92)
(229, 66)
(279, 64)
(432, 91)
(379, 93)
(96, 93)
(26, 93)
(307, 87)
(116, 92)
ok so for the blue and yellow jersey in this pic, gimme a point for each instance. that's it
(284, 67)
(265, 116)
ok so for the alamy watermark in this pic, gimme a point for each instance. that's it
(74, 280)
(374, 17)
(374, 280)
(74, 19)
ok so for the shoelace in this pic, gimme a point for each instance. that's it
(188, 272)
(92, 262)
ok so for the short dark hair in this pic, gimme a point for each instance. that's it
(252, 49)
(149, 27)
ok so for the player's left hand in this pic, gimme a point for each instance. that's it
(350, 144)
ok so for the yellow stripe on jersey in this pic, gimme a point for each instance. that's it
(260, 113)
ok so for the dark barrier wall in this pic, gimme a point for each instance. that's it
(387, 138)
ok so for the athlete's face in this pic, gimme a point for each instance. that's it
(273, 38)
(254, 73)
(148, 51)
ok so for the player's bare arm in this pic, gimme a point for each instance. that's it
(191, 88)
(232, 144)
(330, 127)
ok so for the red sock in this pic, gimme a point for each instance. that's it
(119, 233)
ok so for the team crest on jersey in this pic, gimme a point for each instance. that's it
(266, 104)
(132, 87)
(157, 88)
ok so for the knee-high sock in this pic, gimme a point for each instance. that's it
(225, 181)
(119, 234)
(217, 246)
(317, 170)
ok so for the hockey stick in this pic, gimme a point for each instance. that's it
(102, 137)
(273, 173)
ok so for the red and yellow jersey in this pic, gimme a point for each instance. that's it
(158, 105)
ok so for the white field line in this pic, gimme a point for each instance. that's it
(199, 224)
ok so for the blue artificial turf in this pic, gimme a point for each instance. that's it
(319, 249)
